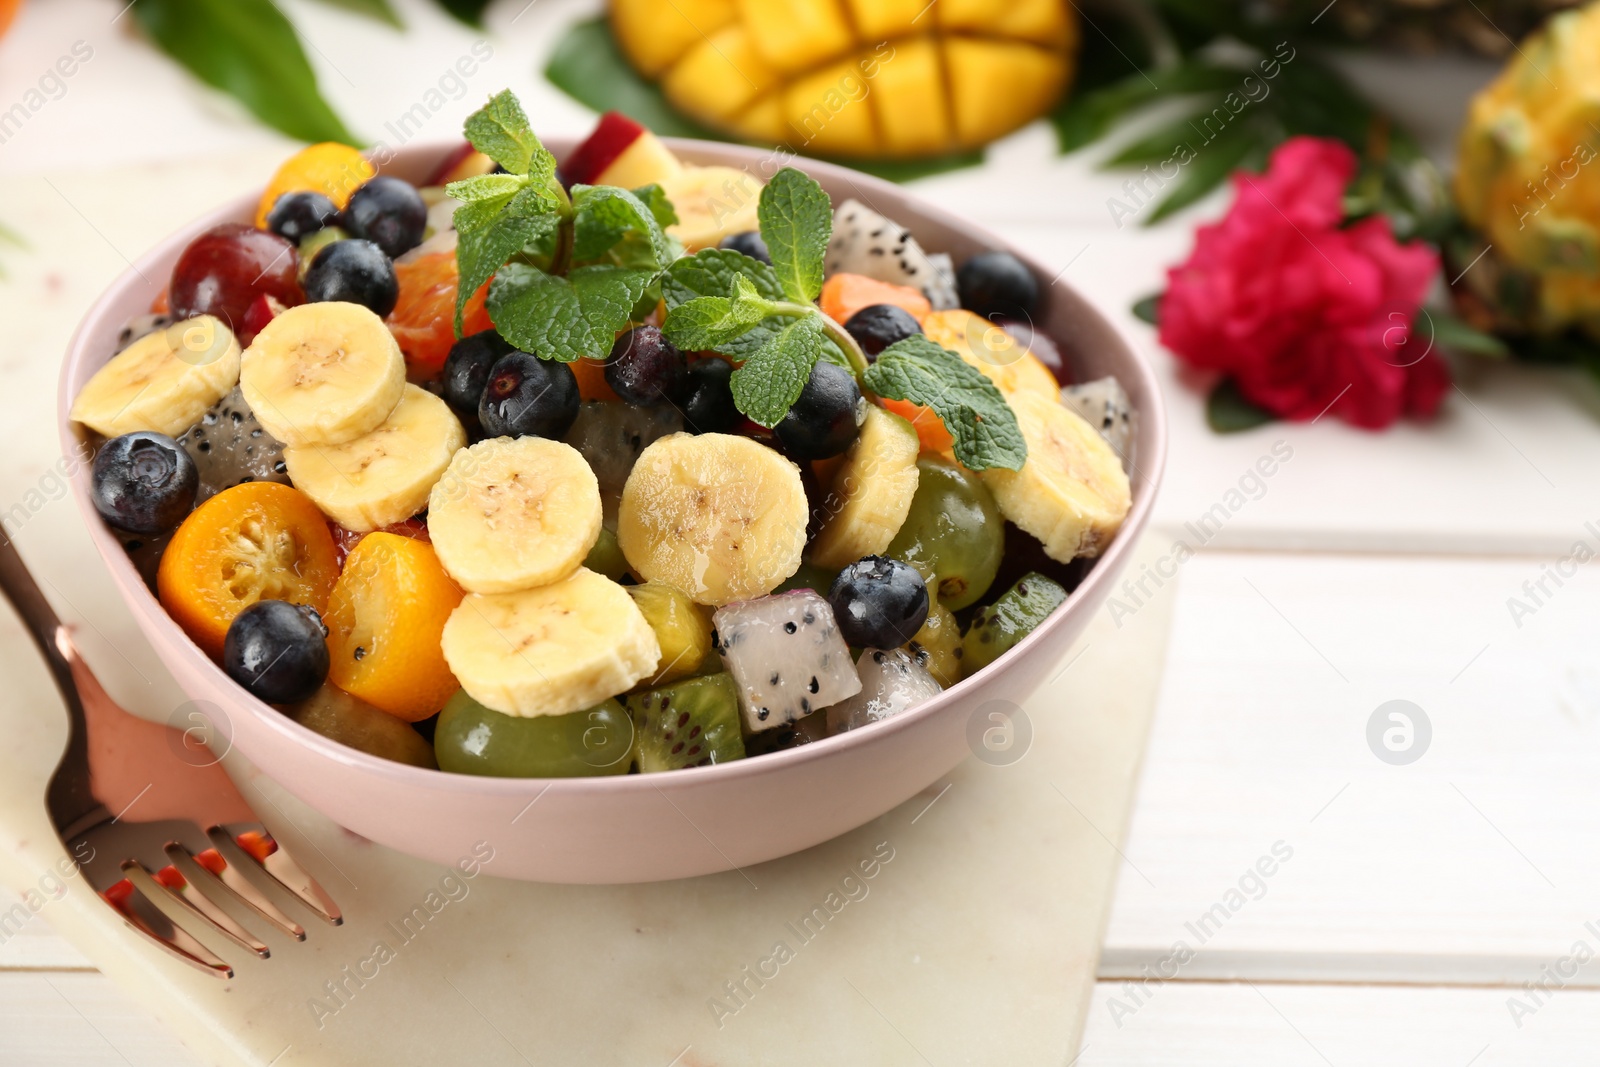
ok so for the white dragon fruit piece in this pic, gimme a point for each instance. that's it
(611, 435)
(230, 448)
(1104, 404)
(786, 655)
(892, 681)
(865, 242)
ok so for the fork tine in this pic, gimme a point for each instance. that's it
(161, 931)
(189, 896)
(274, 859)
(234, 881)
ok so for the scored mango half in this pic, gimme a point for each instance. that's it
(872, 79)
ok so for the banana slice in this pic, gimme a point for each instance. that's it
(870, 494)
(1072, 493)
(162, 382)
(712, 203)
(1001, 358)
(552, 650)
(514, 513)
(323, 374)
(720, 517)
(384, 476)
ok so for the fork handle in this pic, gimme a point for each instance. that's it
(43, 624)
(70, 793)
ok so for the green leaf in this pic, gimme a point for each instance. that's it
(796, 222)
(250, 51)
(492, 230)
(565, 318)
(378, 9)
(605, 216)
(1209, 169)
(501, 131)
(1147, 310)
(766, 386)
(712, 272)
(710, 322)
(968, 403)
(587, 65)
(468, 11)
(1227, 411)
(1455, 335)
(486, 187)
(656, 200)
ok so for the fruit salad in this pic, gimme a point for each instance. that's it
(621, 465)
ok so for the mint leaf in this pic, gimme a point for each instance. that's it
(500, 130)
(711, 272)
(656, 200)
(565, 318)
(971, 408)
(492, 230)
(486, 187)
(766, 386)
(605, 216)
(796, 222)
(710, 322)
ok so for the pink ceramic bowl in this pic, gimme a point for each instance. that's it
(637, 828)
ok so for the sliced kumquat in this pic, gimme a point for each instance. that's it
(256, 541)
(332, 169)
(930, 428)
(591, 375)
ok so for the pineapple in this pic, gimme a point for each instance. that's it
(875, 79)
(1527, 186)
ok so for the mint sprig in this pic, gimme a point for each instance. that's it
(970, 406)
(796, 223)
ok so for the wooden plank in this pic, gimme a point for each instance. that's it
(1200, 1024)
(57, 1019)
(1276, 665)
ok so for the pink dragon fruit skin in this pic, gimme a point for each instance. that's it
(892, 681)
(786, 655)
(865, 242)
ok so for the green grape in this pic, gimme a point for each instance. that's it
(953, 533)
(471, 739)
(606, 557)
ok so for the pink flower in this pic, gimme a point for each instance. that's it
(1304, 316)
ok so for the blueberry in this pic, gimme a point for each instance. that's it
(144, 482)
(998, 285)
(708, 405)
(297, 216)
(881, 325)
(528, 396)
(827, 417)
(750, 243)
(356, 272)
(278, 651)
(466, 371)
(389, 213)
(645, 368)
(879, 602)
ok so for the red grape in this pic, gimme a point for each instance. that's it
(225, 269)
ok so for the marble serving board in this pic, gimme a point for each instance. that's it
(962, 928)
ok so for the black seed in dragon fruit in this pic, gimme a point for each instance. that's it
(230, 448)
(865, 242)
(1104, 404)
(786, 655)
(892, 681)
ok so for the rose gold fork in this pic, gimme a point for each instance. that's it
(137, 808)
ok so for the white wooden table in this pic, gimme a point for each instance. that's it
(1407, 905)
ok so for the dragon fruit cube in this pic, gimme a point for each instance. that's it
(892, 681)
(786, 655)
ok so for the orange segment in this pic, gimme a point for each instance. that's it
(332, 169)
(256, 541)
(423, 319)
(385, 618)
(930, 428)
(845, 294)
